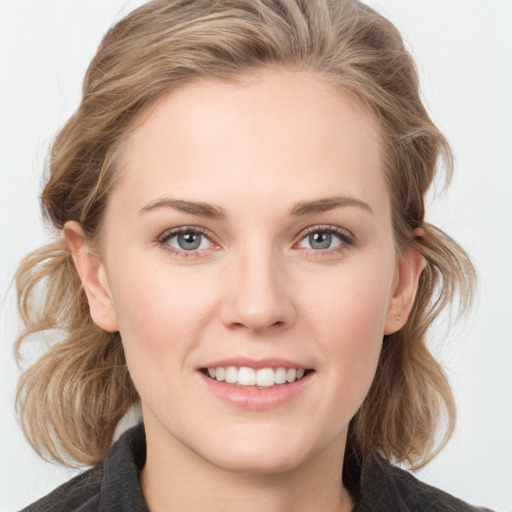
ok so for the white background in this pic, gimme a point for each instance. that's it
(464, 51)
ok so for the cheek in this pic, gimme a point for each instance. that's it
(348, 320)
(350, 304)
(352, 336)
(161, 321)
(160, 314)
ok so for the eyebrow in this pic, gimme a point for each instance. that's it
(211, 211)
(327, 204)
(195, 208)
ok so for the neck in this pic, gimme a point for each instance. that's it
(176, 478)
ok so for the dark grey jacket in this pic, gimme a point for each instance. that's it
(113, 486)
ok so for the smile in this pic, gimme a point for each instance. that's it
(261, 378)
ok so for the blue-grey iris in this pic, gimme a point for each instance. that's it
(189, 241)
(320, 240)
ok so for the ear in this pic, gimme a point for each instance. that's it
(91, 271)
(407, 277)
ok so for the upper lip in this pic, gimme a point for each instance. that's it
(268, 362)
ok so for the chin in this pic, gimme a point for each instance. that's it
(263, 456)
(261, 463)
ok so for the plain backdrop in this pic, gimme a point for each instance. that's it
(464, 54)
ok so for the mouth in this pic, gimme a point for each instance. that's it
(260, 378)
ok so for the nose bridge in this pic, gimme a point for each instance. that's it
(259, 295)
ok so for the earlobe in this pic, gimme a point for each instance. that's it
(409, 269)
(91, 271)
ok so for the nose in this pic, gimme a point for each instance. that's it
(258, 294)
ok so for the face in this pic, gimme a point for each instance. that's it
(249, 261)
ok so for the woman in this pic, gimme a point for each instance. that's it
(241, 247)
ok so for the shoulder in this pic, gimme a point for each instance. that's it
(81, 493)
(386, 487)
(112, 485)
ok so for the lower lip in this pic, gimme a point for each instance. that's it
(257, 398)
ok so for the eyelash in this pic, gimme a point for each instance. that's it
(345, 237)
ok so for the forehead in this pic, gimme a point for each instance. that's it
(276, 131)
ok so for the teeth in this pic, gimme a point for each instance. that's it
(263, 377)
(220, 373)
(246, 376)
(280, 376)
(291, 374)
(231, 374)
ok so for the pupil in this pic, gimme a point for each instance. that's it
(320, 240)
(189, 241)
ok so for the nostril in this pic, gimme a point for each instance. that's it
(237, 325)
(254, 326)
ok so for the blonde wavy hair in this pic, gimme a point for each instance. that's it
(73, 397)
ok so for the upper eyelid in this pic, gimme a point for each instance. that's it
(326, 227)
(169, 233)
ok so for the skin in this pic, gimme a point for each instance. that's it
(255, 288)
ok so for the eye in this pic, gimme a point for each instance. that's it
(321, 240)
(189, 241)
(325, 238)
(185, 240)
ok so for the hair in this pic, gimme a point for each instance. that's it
(71, 399)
